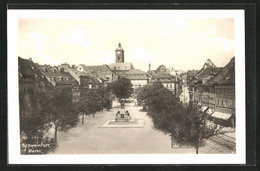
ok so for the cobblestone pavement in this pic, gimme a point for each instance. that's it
(91, 139)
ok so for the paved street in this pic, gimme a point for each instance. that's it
(184, 97)
(90, 139)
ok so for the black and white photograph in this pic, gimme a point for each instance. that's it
(126, 86)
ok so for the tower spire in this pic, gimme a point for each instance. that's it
(119, 54)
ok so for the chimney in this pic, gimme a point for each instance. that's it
(149, 67)
(30, 59)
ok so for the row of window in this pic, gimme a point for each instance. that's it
(168, 85)
(59, 78)
(224, 103)
(224, 90)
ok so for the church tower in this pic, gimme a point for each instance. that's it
(120, 54)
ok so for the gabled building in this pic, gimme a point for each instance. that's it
(224, 88)
(30, 77)
(58, 77)
(161, 75)
(104, 72)
(101, 75)
(96, 79)
(196, 81)
(202, 77)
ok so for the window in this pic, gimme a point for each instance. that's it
(225, 103)
(226, 90)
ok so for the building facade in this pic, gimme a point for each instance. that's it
(219, 95)
(161, 75)
(31, 78)
(137, 77)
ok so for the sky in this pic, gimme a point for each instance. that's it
(183, 43)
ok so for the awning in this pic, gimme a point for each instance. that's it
(203, 108)
(210, 111)
(220, 115)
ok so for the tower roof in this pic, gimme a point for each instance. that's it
(119, 47)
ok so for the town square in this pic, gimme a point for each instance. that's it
(115, 125)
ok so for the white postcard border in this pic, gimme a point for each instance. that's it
(14, 156)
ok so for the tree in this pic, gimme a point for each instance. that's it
(194, 129)
(92, 101)
(146, 92)
(33, 124)
(59, 110)
(105, 98)
(122, 88)
(163, 107)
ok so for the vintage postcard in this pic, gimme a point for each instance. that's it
(126, 87)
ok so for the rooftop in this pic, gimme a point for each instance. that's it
(206, 72)
(121, 66)
(29, 72)
(226, 76)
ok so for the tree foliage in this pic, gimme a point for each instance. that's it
(194, 129)
(33, 123)
(164, 108)
(59, 110)
(186, 125)
(92, 101)
(122, 88)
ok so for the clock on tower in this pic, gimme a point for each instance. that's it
(119, 54)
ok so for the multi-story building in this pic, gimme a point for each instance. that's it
(30, 77)
(101, 72)
(137, 77)
(202, 77)
(161, 75)
(224, 84)
(197, 79)
(58, 77)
